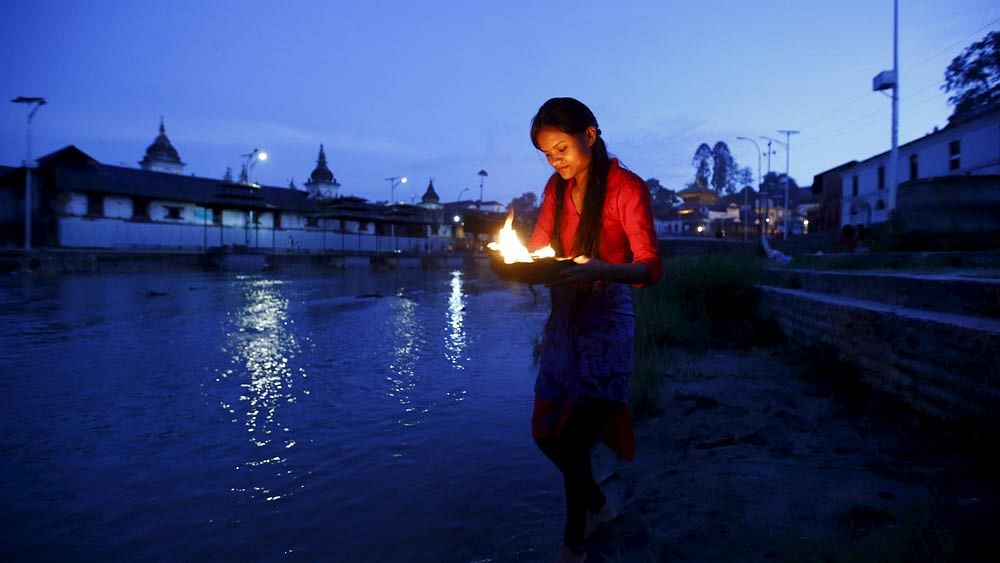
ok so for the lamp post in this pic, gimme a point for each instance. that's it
(459, 198)
(393, 182)
(788, 157)
(33, 104)
(249, 161)
(745, 203)
(787, 144)
(482, 176)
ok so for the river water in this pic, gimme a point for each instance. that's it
(346, 416)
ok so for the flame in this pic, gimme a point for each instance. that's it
(511, 248)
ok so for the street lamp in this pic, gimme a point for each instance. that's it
(33, 104)
(393, 182)
(787, 144)
(745, 203)
(460, 194)
(249, 161)
(482, 176)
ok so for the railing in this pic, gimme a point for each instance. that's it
(78, 232)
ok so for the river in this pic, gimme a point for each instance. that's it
(345, 416)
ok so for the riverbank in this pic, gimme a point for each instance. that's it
(754, 457)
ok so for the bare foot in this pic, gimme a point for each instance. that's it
(606, 514)
(567, 556)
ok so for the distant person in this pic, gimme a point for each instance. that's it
(598, 212)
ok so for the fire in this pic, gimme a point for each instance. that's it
(510, 247)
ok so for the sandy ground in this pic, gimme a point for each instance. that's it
(753, 459)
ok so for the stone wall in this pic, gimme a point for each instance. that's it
(942, 364)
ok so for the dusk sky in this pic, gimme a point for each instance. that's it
(443, 89)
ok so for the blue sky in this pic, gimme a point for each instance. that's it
(443, 89)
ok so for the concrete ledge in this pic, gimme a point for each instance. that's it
(934, 292)
(942, 364)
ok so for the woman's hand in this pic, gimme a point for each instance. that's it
(586, 270)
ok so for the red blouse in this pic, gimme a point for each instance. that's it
(627, 234)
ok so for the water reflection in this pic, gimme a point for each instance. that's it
(262, 347)
(455, 342)
(405, 351)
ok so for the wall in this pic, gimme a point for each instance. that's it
(940, 366)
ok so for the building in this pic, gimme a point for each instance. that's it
(969, 146)
(81, 203)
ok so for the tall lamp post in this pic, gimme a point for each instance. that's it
(787, 145)
(33, 104)
(393, 182)
(745, 203)
(482, 176)
(885, 80)
(250, 159)
(788, 156)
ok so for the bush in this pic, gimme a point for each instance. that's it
(700, 302)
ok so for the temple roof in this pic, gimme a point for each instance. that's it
(430, 196)
(161, 150)
(322, 174)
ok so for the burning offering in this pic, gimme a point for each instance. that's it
(512, 262)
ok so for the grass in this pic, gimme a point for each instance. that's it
(701, 302)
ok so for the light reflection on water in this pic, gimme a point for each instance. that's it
(261, 347)
(454, 344)
(349, 416)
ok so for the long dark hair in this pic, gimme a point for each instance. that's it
(571, 116)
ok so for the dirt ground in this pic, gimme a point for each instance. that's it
(755, 457)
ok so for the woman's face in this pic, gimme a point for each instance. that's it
(568, 154)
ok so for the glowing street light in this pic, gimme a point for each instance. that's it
(249, 161)
(393, 182)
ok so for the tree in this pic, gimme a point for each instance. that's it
(973, 77)
(727, 176)
(524, 204)
(662, 195)
(773, 186)
(702, 163)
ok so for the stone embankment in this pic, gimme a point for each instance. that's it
(932, 340)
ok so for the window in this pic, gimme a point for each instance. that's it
(914, 167)
(881, 177)
(312, 221)
(255, 216)
(277, 220)
(216, 216)
(174, 212)
(854, 185)
(955, 155)
(140, 209)
(95, 205)
(880, 204)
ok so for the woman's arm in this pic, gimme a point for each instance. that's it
(545, 225)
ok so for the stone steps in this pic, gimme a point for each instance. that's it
(948, 293)
(931, 340)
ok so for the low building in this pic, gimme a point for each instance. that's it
(78, 202)
(969, 146)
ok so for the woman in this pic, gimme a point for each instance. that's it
(599, 213)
